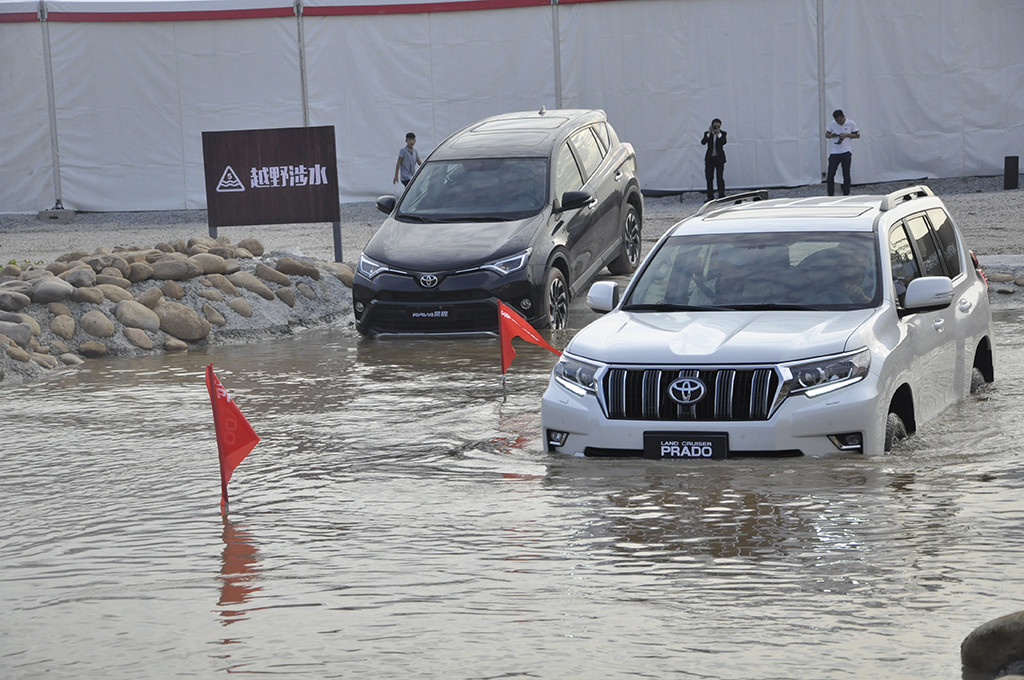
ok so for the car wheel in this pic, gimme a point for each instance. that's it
(629, 258)
(977, 380)
(895, 431)
(557, 299)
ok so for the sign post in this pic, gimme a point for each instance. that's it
(275, 176)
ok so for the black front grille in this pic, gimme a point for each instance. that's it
(731, 394)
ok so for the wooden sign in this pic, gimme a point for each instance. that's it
(276, 176)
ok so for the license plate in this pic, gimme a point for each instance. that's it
(686, 445)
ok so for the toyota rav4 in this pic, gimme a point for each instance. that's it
(791, 326)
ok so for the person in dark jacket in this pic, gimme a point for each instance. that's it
(714, 157)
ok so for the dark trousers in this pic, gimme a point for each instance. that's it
(834, 161)
(715, 168)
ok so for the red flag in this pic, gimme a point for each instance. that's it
(235, 436)
(511, 325)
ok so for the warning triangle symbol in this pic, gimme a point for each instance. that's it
(229, 181)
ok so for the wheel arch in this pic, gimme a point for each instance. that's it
(983, 359)
(902, 404)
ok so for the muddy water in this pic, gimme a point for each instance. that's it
(399, 519)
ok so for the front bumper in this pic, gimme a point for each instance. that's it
(801, 425)
(461, 303)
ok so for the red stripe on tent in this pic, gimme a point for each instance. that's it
(420, 7)
(18, 17)
(211, 15)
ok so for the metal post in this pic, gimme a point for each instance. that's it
(337, 241)
(1011, 172)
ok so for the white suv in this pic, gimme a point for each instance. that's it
(794, 326)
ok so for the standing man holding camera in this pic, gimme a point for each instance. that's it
(714, 157)
(840, 130)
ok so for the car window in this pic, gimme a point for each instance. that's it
(491, 189)
(901, 261)
(588, 150)
(927, 250)
(567, 173)
(942, 225)
(823, 271)
(601, 130)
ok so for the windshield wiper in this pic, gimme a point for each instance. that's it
(784, 307)
(673, 307)
(414, 218)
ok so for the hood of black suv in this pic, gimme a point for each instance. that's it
(449, 246)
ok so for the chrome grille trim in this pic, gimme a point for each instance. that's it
(735, 393)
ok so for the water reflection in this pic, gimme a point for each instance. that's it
(239, 573)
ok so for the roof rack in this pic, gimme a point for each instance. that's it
(904, 195)
(735, 199)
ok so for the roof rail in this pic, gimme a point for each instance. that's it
(735, 199)
(903, 195)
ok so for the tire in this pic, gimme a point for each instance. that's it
(556, 299)
(895, 431)
(629, 258)
(977, 380)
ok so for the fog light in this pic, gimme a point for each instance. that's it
(525, 304)
(556, 438)
(360, 307)
(848, 441)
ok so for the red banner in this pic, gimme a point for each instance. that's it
(235, 436)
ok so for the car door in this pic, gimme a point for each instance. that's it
(930, 335)
(577, 224)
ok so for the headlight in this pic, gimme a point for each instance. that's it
(507, 265)
(576, 376)
(821, 376)
(370, 268)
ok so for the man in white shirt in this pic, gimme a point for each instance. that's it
(840, 130)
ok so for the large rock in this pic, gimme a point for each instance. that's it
(213, 316)
(175, 270)
(10, 301)
(95, 323)
(92, 349)
(140, 271)
(270, 274)
(182, 322)
(80, 277)
(252, 245)
(289, 265)
(113, 293)
(20, 333)
(51, 289)
(92, 295)
(993, 646)
(209, 263)
(136, 315)
(251, 283)
(221, 283)
(105, 260)
(151, 297)
(110, 279)
(138, 337)
(63, 326)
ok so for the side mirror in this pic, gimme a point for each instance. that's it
(928, 293)
(603, 296)
(386, 204)
(571, 200)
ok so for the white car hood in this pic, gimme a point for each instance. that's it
(762, 337)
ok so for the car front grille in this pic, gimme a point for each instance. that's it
(730, 394)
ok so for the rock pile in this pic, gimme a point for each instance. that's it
(163, 298)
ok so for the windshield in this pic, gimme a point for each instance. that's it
(478, 189)
(800, 270)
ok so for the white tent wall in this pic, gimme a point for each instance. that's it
(937, 87)
(377, 77)
(662, 70)
(134, 99)
(26, 166)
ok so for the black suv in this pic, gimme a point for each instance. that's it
(526, 208)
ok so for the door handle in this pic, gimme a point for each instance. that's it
(939, 324)
(618, 175)
(965, 306)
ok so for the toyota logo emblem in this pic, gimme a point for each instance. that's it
(687, 391)
(428, 280)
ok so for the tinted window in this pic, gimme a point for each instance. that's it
(831, 270)
(927, 250)
(590, 152)
(567, 173)
(902, 261)
(601, 130)
(946, 233)
(491, 189)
